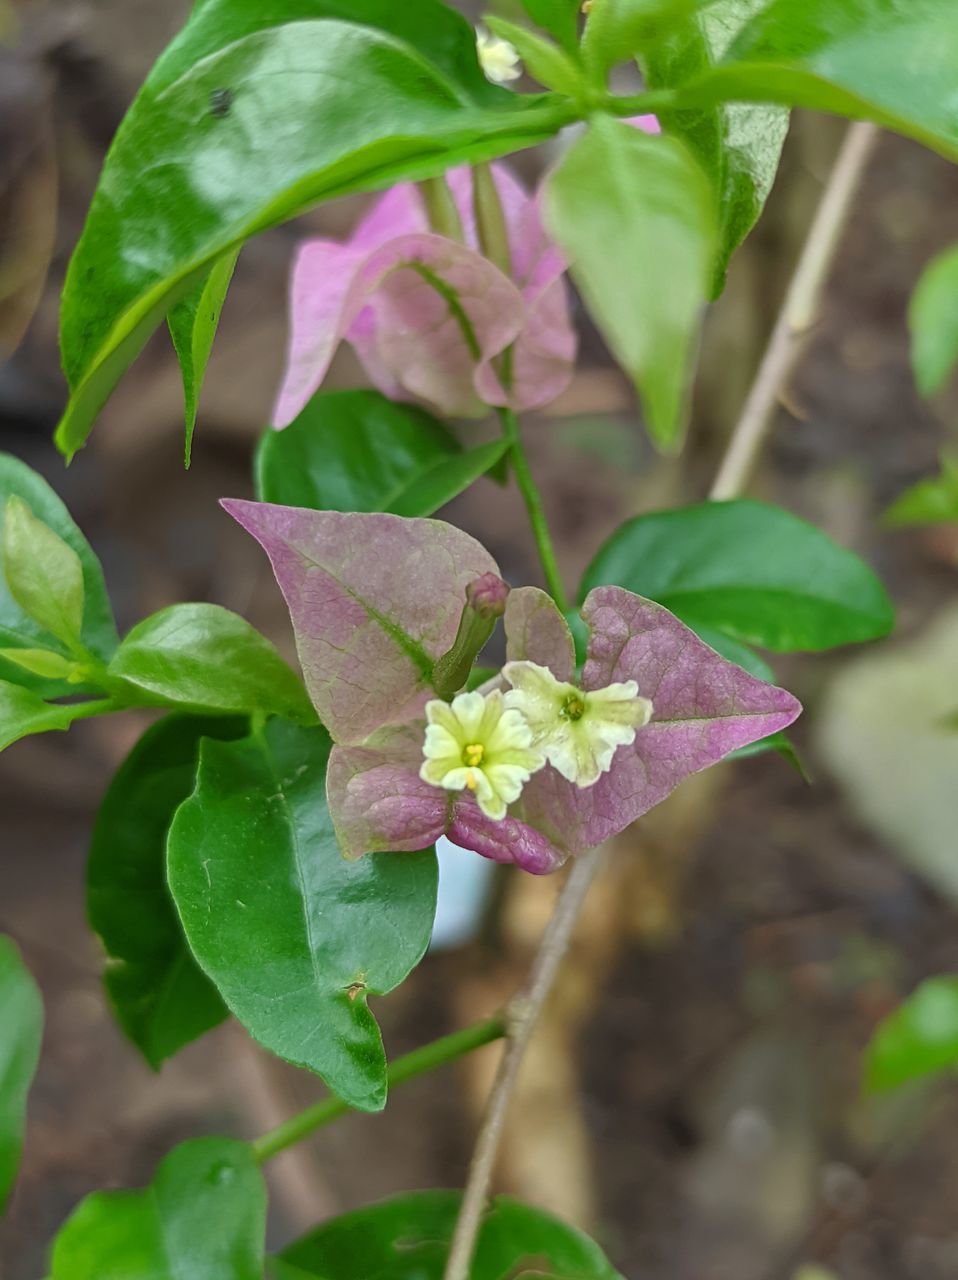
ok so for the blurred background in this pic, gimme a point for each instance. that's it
(693, 1096)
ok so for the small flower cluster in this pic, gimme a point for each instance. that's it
(492, 744)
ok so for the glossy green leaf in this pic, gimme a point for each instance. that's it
(43, 573)
(433, 28)
(193, 324)
(648, 197)
(161, 997)
(752, 571)
(546, 62)
(295, 937)
(919, 1039)
(932, 501)
(407, 1238)
(19, 1051)
(616, 30)
(358, 451)
(202, 657)
(203, 1215)
(559, 17)
(933, 318)
(17, 629)
(881, 60)
(739, 145)
(246, 138)
(23, 712)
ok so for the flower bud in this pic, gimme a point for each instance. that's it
(485, 603)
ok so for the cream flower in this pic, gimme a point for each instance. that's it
(498, 58)
(579, 732)
(478, 744)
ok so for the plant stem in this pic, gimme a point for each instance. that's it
(522, 1015)
(97, 707)
(799, 312)
(417, 1063)
(533, 500)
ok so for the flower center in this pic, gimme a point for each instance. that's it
(473, 754)
(573, 707)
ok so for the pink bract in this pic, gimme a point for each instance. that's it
(375, 600)
(429, 317)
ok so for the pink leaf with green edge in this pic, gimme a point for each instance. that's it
(374, 600)
(537, 632)
(429, 316)
(704, 708)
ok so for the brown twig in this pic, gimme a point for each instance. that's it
(799, 312)
(523, 1014)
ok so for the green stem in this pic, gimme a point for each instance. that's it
(533, 500)
(641, 104)
(417, 1063)
(99, 707)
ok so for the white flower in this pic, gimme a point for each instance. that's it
(478, 744)
(579, 732)
(498, 58)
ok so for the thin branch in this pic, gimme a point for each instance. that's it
(799, 312)
(523, 1014)
(417, 1063)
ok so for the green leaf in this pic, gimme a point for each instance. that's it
(752, 571)
(203, 658)
(933, 318)
(295, 937)
(544, 61)
(193, 323)
(559, 17)
(161, 998)
(23, 712)
(431, 27)
(357, 451)
(203, 1215)
(43, 573)
(882, 60)
(17, 628)
(42, 662)
(193, 173)
(933, 501)
(648, 197)
(919, 1039)
(617, 30)
(738, 145)
(407, 1238)
(19, 1052)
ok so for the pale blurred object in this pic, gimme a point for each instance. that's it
(887, 732)
(465, 883)
(497, 57)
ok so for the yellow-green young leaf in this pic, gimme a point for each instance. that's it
(648, 198)
(933, 317)
(919, 1039)
(22, 1023)
(616, 30)
(43, 662)
(932, 501)
(193, 323)
(44, 573)
(545, 61)
(202, 1216)
(17, 629)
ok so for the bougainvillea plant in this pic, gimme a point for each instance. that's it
(289, 873)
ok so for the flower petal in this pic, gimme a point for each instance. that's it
(322, 278)
(704, 708)
(535, 629)
(374, 599)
